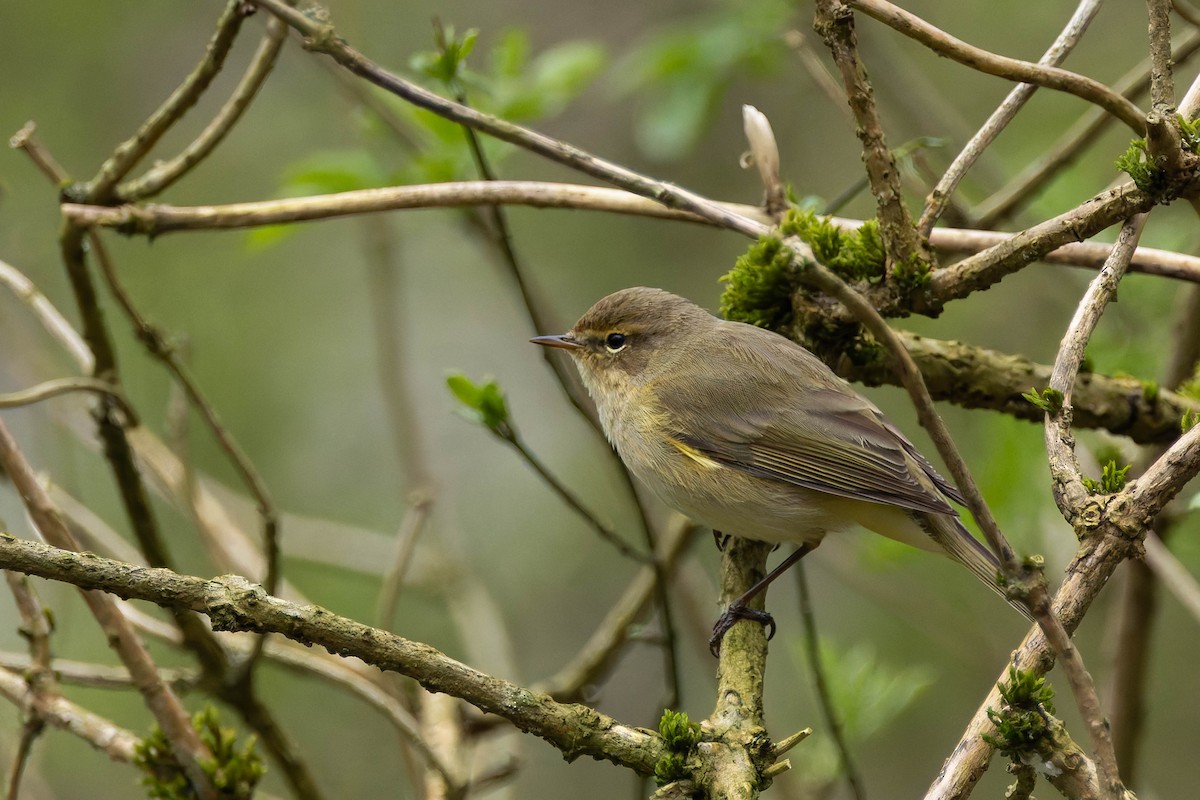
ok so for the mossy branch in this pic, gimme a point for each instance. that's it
(234, 604)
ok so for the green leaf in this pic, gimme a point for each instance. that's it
(1048, 400)
(483, 403)
(465, 391)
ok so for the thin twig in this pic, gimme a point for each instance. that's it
(43, 687)
(31, 729)
(573, 502)
(50, 318)
(1002, 66)
(117, 742)
(41, 157)
(939, 198)
(416, 515)
(127, 154)
(97, 676)
(1084, 132)
(158, 346)
(62, 386)
(166, 173)
(812, 647)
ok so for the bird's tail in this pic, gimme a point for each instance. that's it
(958, 543)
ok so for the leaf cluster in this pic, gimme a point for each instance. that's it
(482, 403)
(1048, 400)
(1137, 162)
(515, 85)
(681, 736)
(1112, 479)
(1023, 720)
(234, 770)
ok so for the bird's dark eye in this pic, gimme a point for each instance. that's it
(615, 342)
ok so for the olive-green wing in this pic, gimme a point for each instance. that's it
(821, 436)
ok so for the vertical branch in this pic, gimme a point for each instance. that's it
(1162, 87)
(39, 676)
(835, 23)
(737, 720)
(1068, 485)
(1139, 603)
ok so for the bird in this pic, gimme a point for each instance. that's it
(748, 433)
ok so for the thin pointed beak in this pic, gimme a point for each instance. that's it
(562, 340)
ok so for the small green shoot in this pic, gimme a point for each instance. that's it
(1024, 717)
(1190, 418)
(234, 771)
(1048, 400)
(681, 736)
(448, 63)
(1136, 163)
(1112, 479)
(482, 403)
(1150, 392)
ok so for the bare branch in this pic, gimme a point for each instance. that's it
(132, 150)
(164, 174)
(835, 24)
(939, 198)
(162, 702)
(1002, 66)
(117, 742)
(234, 604)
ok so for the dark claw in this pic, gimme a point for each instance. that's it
(731, 616)
(722, 540)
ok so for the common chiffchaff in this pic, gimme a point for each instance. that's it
(748, 433)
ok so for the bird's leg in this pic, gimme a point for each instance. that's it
(739, 610)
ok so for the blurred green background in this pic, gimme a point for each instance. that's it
(282, 332)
